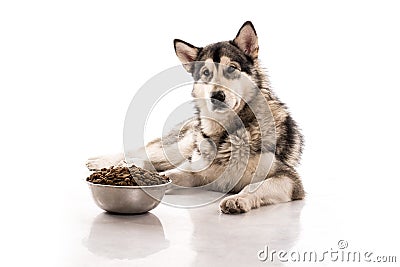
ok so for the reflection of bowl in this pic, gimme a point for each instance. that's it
(126, 237)
(127, 199)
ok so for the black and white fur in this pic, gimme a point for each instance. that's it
(215, 151)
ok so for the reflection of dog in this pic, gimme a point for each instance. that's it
(241, 130)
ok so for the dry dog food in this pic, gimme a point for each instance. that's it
(126, 176)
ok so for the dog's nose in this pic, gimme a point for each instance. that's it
(217, 96)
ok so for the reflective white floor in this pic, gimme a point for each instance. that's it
(169, 236)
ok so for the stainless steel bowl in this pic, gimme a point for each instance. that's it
(127, 199)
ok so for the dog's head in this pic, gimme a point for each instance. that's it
(223, 71)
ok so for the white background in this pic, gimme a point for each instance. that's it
(69, 69)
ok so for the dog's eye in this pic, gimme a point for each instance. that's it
(206, 72)
(231, 69)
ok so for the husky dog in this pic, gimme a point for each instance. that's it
(242, 133)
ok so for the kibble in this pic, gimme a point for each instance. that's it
(122, 176)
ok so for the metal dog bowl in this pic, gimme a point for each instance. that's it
(127, 199)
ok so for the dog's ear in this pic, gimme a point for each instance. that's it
(246, 39)
(186, 53)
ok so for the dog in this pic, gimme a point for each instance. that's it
(242, 140)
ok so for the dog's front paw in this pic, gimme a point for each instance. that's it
(97, 163)
(235, 204)
(179, 178)
(143, 164)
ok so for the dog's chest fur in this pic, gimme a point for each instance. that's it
(234, 156)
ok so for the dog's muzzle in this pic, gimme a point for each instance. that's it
(217, 99)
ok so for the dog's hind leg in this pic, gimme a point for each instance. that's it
(283, 186)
